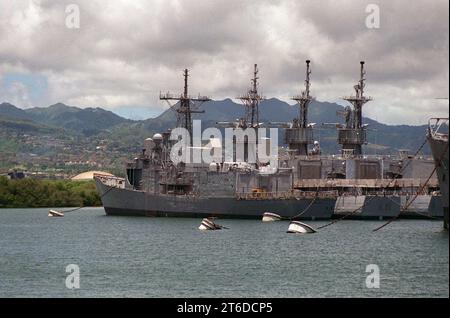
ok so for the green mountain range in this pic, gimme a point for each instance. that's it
(87, 121)
(127, 135)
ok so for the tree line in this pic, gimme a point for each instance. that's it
(34, 193)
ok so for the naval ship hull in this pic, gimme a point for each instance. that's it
(366, 207)
(128, 202)
(439, 149)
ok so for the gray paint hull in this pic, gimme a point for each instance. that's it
(128, 202)
(367, 207)
(424, 206)
(439, 149)
(379, 207)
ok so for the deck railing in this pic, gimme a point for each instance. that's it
(286, 195)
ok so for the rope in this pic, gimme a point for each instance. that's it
(343, 217)
(73, 209)
(79, 208)
(417, 194)
(305, 210)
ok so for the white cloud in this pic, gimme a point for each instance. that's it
(126, 52)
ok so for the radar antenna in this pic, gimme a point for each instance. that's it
(353, 135)
(185, 106)
(300, 134)
(251, 102)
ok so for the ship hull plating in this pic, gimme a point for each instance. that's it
(439, 149)
(127, 202)
(366, 207)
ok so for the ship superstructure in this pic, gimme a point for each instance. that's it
(353, 135)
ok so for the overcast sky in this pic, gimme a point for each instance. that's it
(125, 52)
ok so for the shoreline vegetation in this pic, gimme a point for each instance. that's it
(34, 193)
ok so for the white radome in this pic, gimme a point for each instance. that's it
(157, 137)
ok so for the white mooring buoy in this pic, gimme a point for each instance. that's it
(299, 227)
(209, 225)
(270, 217)
(54, 213)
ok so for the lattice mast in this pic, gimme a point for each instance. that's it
(251, 102)
(300, 134)
(186, 105)
(304, 99)
(353, 134)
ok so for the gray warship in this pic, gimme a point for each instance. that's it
(371, 187)
(304, 185)
(156, 186)
(438, 140)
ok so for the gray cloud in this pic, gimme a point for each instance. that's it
(125, 53)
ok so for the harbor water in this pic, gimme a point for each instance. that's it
(170, 257)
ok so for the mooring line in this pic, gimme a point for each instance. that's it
(81, 207)
(305, 210)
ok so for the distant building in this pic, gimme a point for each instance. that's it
(14, 175)
(89, 175)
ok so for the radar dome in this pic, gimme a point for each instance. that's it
(157, 137)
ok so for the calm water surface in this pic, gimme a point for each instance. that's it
(170, 257)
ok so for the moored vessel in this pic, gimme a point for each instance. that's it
(156, 185)
(438, 140)
(304, 185)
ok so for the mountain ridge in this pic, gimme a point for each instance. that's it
(105, 124)
(29, 113)
(88, 121)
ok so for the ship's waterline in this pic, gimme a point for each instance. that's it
(140, 203)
